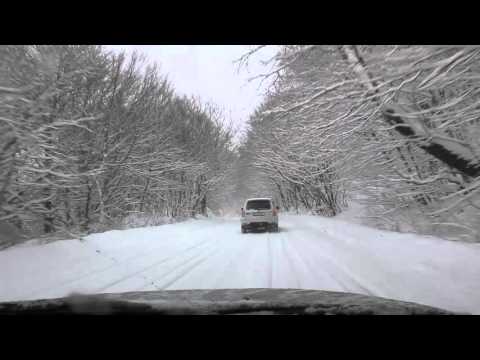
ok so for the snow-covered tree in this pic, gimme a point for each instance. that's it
(397, 125)
(89, 138)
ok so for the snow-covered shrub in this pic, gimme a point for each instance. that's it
(136, 220)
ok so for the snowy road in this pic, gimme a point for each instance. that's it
(308, 253)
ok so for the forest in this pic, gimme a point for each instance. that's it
(91, 140)
(393, 128)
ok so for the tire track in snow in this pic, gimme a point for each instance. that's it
(340, 271)
(270, 261)
(76, 279)
(313, 271)
(338, 244)
(370, 290)
(151, 266)
(173, 269)
(93, 274)
(340, 275)
(115, 264)
(186, 271)
(242, 249)
(290, 262)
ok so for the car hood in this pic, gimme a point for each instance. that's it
(222, 302)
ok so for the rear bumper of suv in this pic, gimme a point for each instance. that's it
(258, 219)
(257, 225)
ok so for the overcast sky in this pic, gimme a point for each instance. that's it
(208, 71)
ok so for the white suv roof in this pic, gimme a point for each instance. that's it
(270, 199)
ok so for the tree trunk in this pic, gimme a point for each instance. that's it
(437, 150)
(48, 226)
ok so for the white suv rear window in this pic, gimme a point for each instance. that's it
(258, 205)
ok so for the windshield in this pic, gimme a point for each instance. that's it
(258, 205)
(140, 168)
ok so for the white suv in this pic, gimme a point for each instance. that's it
(259, 213)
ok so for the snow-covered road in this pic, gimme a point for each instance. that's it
(308, 253)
